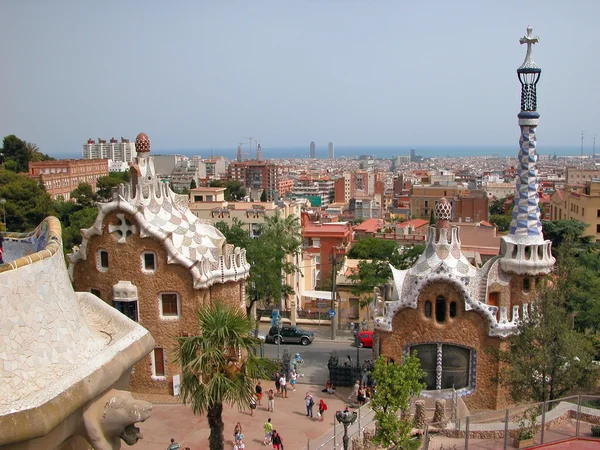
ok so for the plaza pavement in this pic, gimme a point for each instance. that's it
(177, 421)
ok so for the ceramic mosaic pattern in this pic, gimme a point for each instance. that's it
(17, 245)
(164, 215)
(41, 330)
(526, 213)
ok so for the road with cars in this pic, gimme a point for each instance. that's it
(316, 355)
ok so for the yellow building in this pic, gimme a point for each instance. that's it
(581, 203)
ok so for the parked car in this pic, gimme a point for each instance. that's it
(365, 339)
(290, 334)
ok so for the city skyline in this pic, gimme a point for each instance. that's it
(391, 74)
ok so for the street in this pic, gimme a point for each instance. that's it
(316, 355)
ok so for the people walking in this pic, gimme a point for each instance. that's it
(238, 435)
(360, 397)
(277, 385)
(277, 441)
(308, 399)
(322, 409)
(174, 445)
(271, 400)
(283, 384)
(259, 394)
(268, 427)
(354, 394)
(293, 377)
(252, 405)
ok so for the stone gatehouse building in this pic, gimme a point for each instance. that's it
(149, 257)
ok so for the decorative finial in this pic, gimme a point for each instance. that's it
(529, 40)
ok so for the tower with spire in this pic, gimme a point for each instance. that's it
(524, 251)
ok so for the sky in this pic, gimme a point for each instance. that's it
(210, 73)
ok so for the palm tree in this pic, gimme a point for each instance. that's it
(220, 365)
(33, 152)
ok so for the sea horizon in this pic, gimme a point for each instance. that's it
(378, 151)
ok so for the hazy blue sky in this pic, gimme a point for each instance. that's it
(209, 73)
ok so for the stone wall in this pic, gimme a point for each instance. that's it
(468, 329)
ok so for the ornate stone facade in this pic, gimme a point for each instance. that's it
(453, 313)
(150, 257)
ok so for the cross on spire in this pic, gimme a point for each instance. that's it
(529, 40)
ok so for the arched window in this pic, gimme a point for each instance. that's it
(452, 309)
(427, 308)
(440, 308)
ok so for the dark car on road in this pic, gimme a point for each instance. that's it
(290, 334)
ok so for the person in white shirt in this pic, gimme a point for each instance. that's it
(293, 377)
(283, 384)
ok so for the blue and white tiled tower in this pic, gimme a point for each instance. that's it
(524, 250)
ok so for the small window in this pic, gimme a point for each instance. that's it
(128, 308)
(452, 309)
(96, 292)
(598, 228)
(598, 213)
(526, 285)
(148, 261)
(103, 259)
(440, 309)
(169, 304)
(427, 308)
(159, 362)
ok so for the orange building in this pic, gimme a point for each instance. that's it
(61, 177)
(326, 240)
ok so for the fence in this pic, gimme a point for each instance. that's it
(547, 422)
(332, 440)
(552, 421)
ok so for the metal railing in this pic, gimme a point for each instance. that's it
(547, 422)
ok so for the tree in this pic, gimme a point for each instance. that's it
(497, 207)
(84, 195)
(560, 230)
(263, 196)
(220, 365)
(27, 203)
(237, 234)
(373, 248)
(34, 154)
(502, 221)
(71, 230)
(547, 359)
(14, 149)
(215, 183)
(193, 184)
(234, 191)
(377, 272)
(105, 185)
(396, 385)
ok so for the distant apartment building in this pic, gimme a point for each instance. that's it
(187, 170)
(331, 150)
(284, 187)
(366, 207)
(467, 205)
(319, 190)
(579, 203)
(165, 164)
(327, 241)
(61, 177)
(215, 167)
(120, 154)
(256, 176)
(358, 182)
(499, 190)
(578, 176)
(313, 150)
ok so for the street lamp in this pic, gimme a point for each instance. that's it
(356, 333)
(278, 324)
(346, 418)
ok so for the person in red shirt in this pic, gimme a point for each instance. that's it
(322, 409)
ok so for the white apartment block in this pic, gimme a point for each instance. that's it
(114, 151)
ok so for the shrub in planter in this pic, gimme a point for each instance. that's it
(596, 430)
